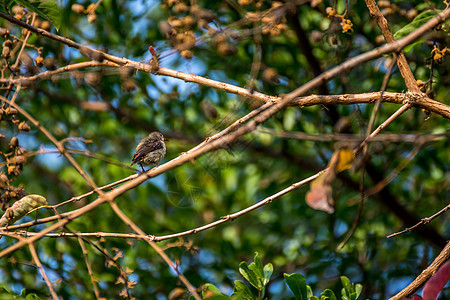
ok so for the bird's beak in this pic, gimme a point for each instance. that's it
(166, 140)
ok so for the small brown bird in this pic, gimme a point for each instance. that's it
(150, 150)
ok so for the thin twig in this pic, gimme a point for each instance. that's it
(161, 253)
(58, 144)
(110, 185)
(154, 238)
(383, 183)
(49, 74)
(394, 173)
(77, 152)
(422, 222)
(242, 212)
(16, 92)
(383, 89)
(364, 154)
(39, 265)
(344, 137)
(383, 125)
(88, 265)
(112, 260)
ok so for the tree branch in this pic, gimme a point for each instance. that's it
(422, 222)
(427, 273)
(402, 64)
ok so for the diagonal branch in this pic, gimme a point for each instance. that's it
(41, 268)
(49, 74)
(57, 143)
(427, 273)
(348, 137)
(403, 66)
(422, 222)
(161, 252)
(88, 266)
(154, 238)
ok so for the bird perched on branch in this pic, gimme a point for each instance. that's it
(150, 150)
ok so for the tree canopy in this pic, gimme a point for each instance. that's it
(308, 144)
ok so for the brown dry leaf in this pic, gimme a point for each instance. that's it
(120, 280)
(346, 158)
(124, 293)
(131, 284)
(177, 293)
(320, 195)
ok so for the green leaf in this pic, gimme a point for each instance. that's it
(347, 285)
(268, 270)
(32, 297)
(5, 294)
(358, 288)
(47, 9)
(212, 289)
(250, 275)
(241, 291)
(257, 268)
(309, 292)
(6, 3)
(328, 295)
(218, 297)
(416, 23)
(297, 284)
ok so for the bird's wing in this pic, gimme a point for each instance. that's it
(146, 148)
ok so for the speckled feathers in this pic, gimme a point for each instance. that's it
(150, 150)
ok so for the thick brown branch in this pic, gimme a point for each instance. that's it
(402, 64)
(422, 101)
(427, 273)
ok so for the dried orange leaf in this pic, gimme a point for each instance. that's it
(320, 197)
(346, 157)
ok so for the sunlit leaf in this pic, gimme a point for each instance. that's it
(250, 275)
(418, 21)
(47, 9)
(297, 284)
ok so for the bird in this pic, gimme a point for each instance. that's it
(150, 150)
